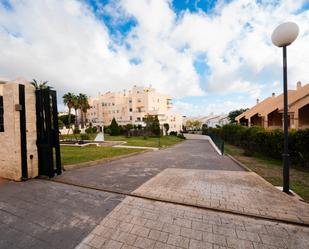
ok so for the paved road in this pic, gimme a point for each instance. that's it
(49, 215)
(129, 173)
(40, 214)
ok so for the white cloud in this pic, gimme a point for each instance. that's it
(65, 43)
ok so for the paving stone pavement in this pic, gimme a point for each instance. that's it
(46, 215)
(127, 174)
(139, 223)
(237, 191)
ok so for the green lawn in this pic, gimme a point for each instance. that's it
(74, 154)
(76, 136)
(271, 170)
(165, 141)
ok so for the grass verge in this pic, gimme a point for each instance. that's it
(74, 154)
(77, 136)
(164, 141)
(271, 170)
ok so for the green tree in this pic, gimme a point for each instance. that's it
(65, 119)
(193, 124)
(152, 124)
(76, 106)
(84, 106)
(68, 99)
(156, 126)
(166, 127)
(233, 114)
(114, 128)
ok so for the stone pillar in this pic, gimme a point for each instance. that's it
(10, 150)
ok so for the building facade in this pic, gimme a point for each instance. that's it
(268, 113)
(215, 120)
(130, 107)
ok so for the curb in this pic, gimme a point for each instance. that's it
(240, 164)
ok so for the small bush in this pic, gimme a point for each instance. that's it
(91, 130)
(114, 128)
(173, 133)
(76, 131)
(180, 135)
(84, 136)
(108, 131)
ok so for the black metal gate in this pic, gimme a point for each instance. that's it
(47, 133)
(23, 135)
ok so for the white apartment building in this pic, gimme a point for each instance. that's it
(130, 107)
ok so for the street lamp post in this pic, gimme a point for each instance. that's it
(283, 36)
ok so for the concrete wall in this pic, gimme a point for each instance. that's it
(10, 150)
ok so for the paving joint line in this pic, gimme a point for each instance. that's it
(290, 222)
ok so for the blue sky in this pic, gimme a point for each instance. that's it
(210, 56)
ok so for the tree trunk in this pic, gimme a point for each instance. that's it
(76, 118)
(82, 118)
(69, 118)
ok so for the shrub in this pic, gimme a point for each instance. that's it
(114, 128)
(173, 133)
(267, 142)
(84, 136)
(76, 130)
(91, 130)
(108, 131)
(180, 135)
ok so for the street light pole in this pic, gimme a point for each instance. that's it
(285, 155)
(283, 36)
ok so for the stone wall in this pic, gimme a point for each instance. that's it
(10, 150)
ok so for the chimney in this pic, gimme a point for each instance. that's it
(298, 85)
(257, 101)
(273, 95)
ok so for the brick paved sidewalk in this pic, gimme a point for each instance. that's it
(237, 191)
(138, 223)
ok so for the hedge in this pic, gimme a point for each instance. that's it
(268, 142)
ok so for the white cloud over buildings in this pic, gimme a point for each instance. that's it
(66, 43)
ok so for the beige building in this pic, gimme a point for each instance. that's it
(17, 161)
(268, 113)
(130, 107)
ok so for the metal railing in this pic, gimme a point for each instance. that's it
(217, 141)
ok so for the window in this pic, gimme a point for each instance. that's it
(1, 115)
(138, 119)
(130, 109)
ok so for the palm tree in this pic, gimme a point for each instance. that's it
(84, 106)
(41, 85)
(68, 99)
(76, 106)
